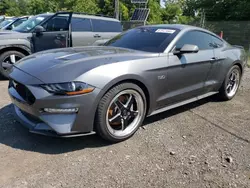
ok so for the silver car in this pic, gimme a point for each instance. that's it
(50, 31)
(110, 89)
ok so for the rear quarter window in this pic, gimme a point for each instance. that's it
(106, 26)
(217, 43)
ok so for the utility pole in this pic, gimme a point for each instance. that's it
(203, 19)
(117, 14)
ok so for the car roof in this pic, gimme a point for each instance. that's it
(84, 16)
(174, 26)
(45, 14)
(181, 27)
(24, 16)
(95, 17)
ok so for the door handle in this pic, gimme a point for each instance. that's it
(97, 36)
(60, 36)
(213, 59)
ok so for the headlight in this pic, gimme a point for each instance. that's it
(69, 88)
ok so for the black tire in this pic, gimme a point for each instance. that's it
(101, 126)
(3, 56)
(223, 94)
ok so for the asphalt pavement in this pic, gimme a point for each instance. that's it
(203, 144)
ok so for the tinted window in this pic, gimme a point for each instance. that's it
(81, 24)
(200, 39)
(217, 43)
(147, 39)
(106, 26)
(57, 23)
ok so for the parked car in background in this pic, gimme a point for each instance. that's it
(6, 22)
(48, 31)
(13, 22)
(3, 17)
(110, 89)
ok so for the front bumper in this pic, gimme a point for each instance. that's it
(30, 113)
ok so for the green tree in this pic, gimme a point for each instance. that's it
(124, 11)
(88, 6)
(155, 16)
(219, 9)
(10, 7)
(173, 14)
(107, 7)
(37, 7)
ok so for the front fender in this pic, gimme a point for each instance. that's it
(106, 76)
(24, 44)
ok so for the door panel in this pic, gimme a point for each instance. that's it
(186, 75)
(82, 32)
(51, 40)
(214, 81)
(56, 34)
(82, 38)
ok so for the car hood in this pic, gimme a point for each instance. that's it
(63, 65)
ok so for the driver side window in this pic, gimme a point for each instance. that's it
(57, 23)
(198, 38)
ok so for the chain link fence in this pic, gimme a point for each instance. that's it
(234, 32)
(131, 24)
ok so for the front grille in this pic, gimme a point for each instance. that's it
(23, 91)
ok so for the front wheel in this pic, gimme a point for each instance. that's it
(7, 60)
(231, 83)
(120, 113)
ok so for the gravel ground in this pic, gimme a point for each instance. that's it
(203, 144)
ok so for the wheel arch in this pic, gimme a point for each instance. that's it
(135, 79)
(139, 84)
(122, 80)
(20, 48)
(239, 64)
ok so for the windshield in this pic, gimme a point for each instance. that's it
(149, 39)
(5, 22)
(29, 24)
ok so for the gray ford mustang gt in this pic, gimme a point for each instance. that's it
(110, 89)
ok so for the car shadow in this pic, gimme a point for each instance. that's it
(13, 134)
(178, 110)
(2, 78)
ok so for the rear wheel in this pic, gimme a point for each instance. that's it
(231, 83)
(7, 60)
(120, 113)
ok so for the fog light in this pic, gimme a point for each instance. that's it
(58, 110)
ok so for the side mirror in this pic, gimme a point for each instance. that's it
(39, 30)
(187, 49)
(9, 28)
